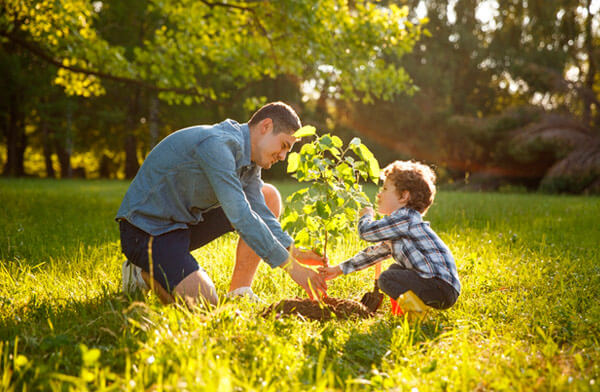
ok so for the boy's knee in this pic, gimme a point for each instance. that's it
(385, 276)
(272, 199)
(388, 284)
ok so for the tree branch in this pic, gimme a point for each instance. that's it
(148, 85)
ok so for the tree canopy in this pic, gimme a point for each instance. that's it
(450, 82)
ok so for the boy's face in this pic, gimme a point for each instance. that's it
(388, 200)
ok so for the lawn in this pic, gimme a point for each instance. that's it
(528, 317)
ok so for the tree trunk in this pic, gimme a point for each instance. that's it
(153, 121)
(591, 74)
(16, 140)
(64, 158)
(131, 162)
(47, 150)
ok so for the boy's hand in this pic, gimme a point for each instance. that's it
(329, 273)
(308, 257)
(312, 282)
(366, 210)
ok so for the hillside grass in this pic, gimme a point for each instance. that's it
(528, 317)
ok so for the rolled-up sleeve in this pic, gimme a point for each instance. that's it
(216, 156)
(366, 258)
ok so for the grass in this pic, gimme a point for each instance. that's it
(528, 317)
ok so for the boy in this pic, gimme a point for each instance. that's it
(423, 263)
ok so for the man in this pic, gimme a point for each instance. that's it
(200, 183)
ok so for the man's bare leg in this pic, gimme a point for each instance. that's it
(194, 289)
(246, 261)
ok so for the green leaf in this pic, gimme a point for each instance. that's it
(307, 149)
(307, 130)
(345, 171)
(293, 162)
(308, 208)
(337, 142)
(289, 219)
(372, 163)
(325, 141)
(355, 142)
(302, 238)
(89, 356)
(20, 361)
(323, 210)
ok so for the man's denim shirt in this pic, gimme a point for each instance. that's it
(197, 169)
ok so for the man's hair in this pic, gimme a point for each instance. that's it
(284, 117)
(416, 178)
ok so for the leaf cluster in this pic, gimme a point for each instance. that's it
(192, 51)
(328, 206)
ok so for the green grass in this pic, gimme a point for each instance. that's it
(528, 317)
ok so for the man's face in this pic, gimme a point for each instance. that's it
(271, 147)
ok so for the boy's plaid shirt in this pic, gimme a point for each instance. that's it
(410, 241)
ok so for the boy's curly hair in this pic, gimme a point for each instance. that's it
(416, 178)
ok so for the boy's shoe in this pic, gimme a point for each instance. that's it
(411, 304)
(244, 292)
(132, 278)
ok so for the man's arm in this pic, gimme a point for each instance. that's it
(257, 202)
(216, 157)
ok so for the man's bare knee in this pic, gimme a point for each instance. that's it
(196, 288)
(272, 198)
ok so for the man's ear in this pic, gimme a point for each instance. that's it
(266, 126)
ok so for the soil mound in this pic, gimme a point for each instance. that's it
(325, 310)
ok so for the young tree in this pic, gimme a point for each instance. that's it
(329, 204)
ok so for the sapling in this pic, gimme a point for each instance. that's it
(330, 203)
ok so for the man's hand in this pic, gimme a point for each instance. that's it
(307, 257)
(312, 282)
(329, 273)
(366, 210)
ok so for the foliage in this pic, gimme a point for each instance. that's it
(191, 51)
(528, 316)
(327, 208)
(522, 53)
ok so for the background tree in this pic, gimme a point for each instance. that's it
(482, 78)
(192, 52)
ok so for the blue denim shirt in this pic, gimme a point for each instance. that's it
(200, 168)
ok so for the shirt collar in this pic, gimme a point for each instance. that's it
(245, 132)
(406, 211)
(247, 150)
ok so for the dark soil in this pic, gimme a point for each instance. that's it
(326, 310)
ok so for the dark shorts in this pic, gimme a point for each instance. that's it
(434, 292)
(171, 257)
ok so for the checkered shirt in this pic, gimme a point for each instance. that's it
(410, 241)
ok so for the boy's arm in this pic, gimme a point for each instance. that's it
(387, 228)
(366, 258)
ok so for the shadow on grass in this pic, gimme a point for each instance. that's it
(49, 337)
(368, 345)
(386, 336)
